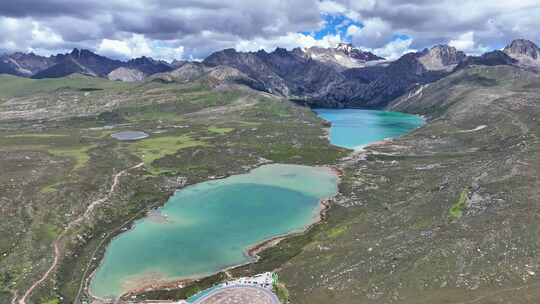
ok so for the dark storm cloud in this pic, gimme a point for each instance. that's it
(52, 8)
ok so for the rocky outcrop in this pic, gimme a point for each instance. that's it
(488, 59)
(186, 73)
(441, 58)
(524, 51)
(126, 75)
(254, 65)
(212, 76)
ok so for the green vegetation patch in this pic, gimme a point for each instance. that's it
(56, 144)
(336, 231)
(78, 153)
(221, 131)
(459, 206)
(35, 135)
(154, 148)
(280, 290)
(12, 86)
(212, 98)
(50, 187)
(154, 112)
(47, 232)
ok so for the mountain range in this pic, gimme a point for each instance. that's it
(78, 61)
(343, 76)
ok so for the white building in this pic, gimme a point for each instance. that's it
(263, 280)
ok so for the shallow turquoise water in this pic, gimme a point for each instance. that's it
(355, 128)
(209, 225)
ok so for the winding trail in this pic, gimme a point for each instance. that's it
(85, 215)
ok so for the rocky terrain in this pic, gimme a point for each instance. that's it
(525, 52)
(68, 187)
(126, 75)
(446, 214)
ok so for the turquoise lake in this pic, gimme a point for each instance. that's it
(355, 128)
(207, 227)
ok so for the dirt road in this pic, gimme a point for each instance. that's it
(56, 244)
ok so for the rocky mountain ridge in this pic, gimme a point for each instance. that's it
(343, 76)
(77, 61)
(525, 52)
(344, 55)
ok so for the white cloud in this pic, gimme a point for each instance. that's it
(289, 41)
(137, 45)
(394, 49)
(374, 33)
(465, 42)
(114, 48)
(334, 8)
(27, 35)
(44, 36)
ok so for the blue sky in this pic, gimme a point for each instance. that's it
(334, 25)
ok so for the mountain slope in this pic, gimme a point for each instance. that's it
(343, 76)
(524, 51)
(447, 214)
(65, 67)
(79, 61)
(211, 76)
(492, 58)
(406, 73)
(322, 77)
(148, 65)
(22, 64)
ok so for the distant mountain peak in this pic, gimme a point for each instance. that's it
(441, 57)
(344, 55)
(345, 47)
(523, 50)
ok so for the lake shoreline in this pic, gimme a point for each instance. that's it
(251, 252)
(153, 282)
(99, 252)
(254, 250)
